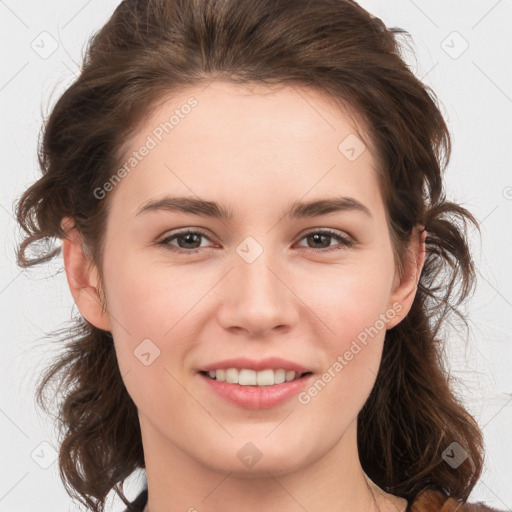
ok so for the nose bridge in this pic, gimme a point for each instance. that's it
(256, 269)
(259, 300)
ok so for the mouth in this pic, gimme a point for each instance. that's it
(251, 389)
(253, 378)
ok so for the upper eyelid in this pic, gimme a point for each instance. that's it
(184, 231)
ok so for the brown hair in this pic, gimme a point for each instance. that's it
(147, 50)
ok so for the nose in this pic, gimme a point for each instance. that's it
(256, 297)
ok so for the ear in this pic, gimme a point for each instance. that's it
(405, 286)
(83, 278)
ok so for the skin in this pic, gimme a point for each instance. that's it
(255, 151)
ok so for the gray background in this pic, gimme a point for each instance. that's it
(41, 47)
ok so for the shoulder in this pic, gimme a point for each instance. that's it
(436, 501)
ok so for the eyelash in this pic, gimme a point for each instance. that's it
(345, 242)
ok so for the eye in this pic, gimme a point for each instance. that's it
(190, 241)
(185, 240)
(319, 237)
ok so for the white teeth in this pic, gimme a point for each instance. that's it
(267, 378)
(232, 375)
(246, 377)
(279, 376)
(289, 376)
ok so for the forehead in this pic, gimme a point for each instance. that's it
(247, 141)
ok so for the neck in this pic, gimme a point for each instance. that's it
(333, 483)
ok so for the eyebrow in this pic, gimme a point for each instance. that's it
(213, 209)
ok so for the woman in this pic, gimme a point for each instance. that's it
(289, 360)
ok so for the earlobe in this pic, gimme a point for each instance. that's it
(83, 278)
(406, 286)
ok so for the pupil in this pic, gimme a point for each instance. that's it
(317, 236)
(187, 237)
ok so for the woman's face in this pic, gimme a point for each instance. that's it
(253, 284)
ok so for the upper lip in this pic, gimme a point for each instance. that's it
(274, 363)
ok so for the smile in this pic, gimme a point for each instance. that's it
(247, 377)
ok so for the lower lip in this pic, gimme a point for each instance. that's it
(257, 397)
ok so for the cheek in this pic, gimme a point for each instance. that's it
(351, 299)
(354, 307)
(147, 299)
(149, 316)
(143, 311)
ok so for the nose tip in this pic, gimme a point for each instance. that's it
(258, 301)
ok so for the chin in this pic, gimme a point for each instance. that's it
(258, 457)
(272, 466)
